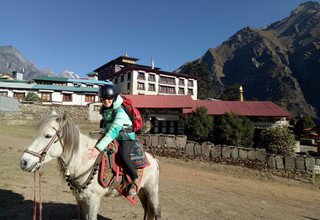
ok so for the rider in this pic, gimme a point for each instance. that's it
(117, 125)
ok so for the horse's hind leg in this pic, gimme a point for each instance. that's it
(144, 201)
(152, 210)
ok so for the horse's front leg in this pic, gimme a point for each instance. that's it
(82, 209)
(88, 207)
(93, 204)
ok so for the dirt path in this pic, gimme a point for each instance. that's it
(188, 190)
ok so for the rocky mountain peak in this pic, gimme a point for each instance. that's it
(307, 7)
(278, 63)
(11, 59)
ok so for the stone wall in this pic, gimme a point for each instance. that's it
(27, 112)
(301, 168)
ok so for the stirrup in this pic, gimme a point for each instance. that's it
(133, 191)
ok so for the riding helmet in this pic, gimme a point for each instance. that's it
(107, 92)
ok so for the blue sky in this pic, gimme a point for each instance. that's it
(81, 35)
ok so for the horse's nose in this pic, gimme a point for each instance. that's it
(23, 164)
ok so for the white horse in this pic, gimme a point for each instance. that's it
(58, 137)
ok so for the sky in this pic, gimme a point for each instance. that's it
(82, 35)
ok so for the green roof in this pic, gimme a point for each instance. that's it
(66, 80)
(13, 81)
(65, 88)
(49, 78)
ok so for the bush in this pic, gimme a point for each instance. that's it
(235, 130)
(198, 125)
(31, 96)
(277, 140)
(303, 123)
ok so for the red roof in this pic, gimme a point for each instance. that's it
(245, 108)
(215, 107)
(161, 101)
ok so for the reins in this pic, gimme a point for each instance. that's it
(41, 155)
(34, 197)
(92, 172)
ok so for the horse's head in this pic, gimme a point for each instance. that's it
(53, 140)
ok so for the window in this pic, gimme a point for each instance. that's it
(164, 127)
(46, 97)
(3, 93)
(90, 86)
(172, 127)
(141, 75)
(18, 95)
(66, 97)
(167, 80)
(128, 86)
(181, 82)
(152, 78)
(152, 87)
(181, 91)
(122, 78)
(140, 86)
(96, 108)
(89, 98)
(167, 89)
(190, 91)
(129, 76)
(190, 82)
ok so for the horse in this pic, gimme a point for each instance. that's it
(57, 137)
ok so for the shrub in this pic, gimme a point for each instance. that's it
(31, 96)
(235, 130)
(198, 125)
(303, 123)
(277, 140)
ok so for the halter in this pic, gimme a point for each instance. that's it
(42, 154)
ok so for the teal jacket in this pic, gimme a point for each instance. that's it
(116, 122)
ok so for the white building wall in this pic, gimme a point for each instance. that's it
(122, 86)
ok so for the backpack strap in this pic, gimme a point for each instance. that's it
(129, 129)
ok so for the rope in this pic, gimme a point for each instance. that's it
(35, 197)
(40, 198)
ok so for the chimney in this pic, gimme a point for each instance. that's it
(241, 94)
(17, 76)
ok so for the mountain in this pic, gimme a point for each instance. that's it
(280, 62)
(69, 74)
(11, 59)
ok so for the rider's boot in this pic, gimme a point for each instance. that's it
(133, 188)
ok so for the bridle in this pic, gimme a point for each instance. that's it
(42, 154)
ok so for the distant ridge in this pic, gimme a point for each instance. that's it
(11, 59)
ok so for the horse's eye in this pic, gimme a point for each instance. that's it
(48, 136)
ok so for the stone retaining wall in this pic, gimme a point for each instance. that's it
(27, 112)
(296, 167)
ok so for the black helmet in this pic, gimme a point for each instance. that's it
(107, 91)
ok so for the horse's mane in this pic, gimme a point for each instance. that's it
(70, 132)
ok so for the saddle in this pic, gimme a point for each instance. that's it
(112, 173)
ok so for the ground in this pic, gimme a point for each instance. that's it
(188, 190)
